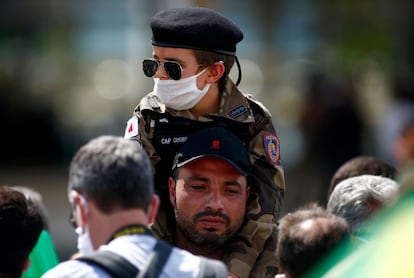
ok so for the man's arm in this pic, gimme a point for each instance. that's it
(267, 192)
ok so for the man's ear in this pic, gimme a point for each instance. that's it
(171, 189)
(153, 209)
(215, 72)
(81, 208)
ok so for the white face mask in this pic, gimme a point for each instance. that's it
(180, 94)
(84, 241)
(84, 244)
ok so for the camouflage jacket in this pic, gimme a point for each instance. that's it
(161, 130)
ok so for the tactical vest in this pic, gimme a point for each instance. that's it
(171, 131)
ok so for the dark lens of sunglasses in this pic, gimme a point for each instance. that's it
(173, 70)
(149, 67)
(72, 220)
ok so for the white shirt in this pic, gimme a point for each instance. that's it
(136, 249)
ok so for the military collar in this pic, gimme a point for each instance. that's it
(234, 104)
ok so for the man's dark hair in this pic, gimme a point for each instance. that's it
(207, 58)
(37, 199)
(306, 236)
(114, 173)
(20, 228)
(362, 165)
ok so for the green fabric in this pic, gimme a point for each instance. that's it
(329, 260)
(42, 258)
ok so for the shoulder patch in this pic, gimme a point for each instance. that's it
(238, 110)
(131, 129)
(272, 147)
(152, 100)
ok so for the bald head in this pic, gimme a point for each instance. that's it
(305, 236)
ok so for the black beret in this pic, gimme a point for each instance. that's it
(195, 28)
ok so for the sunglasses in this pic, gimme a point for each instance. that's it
(72, 220)
(173, 69)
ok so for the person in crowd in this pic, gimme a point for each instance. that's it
(111, 191)
(193, 51)
(358, 198)
(360, 189)
(403, 145)
(43, 256)
(331, 123)
(362, 165)
(209, 191)
(305, 237)
(20, 227)
(388, 253)
(37, 199)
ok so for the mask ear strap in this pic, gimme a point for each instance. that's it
(239, 69)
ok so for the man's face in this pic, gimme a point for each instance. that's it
(209, 197)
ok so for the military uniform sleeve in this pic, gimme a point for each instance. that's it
(267, 186)
(266, 264)
(139, 128)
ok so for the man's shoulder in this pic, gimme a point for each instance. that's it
(179, 262)
(266, 264)
(182, 259)
(150, 102)
(257, 106)
(233, 94)
(75, 268)
(213, 268)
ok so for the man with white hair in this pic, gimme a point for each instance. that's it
(358, 198)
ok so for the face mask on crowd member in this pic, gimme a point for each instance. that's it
(180, 94)
(84, 243)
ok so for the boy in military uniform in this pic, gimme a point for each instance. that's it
(194, 50)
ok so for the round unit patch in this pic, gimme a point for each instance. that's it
(272, 147)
